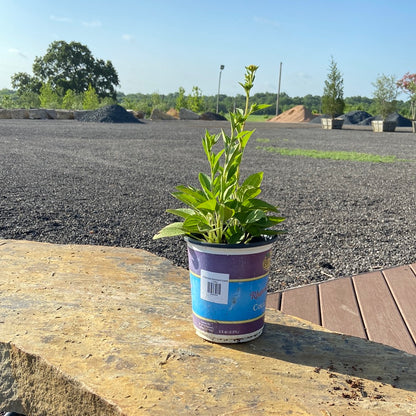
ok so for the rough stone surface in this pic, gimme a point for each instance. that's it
(64, 115)
(160, 115)
(185, 114)
(5, 114)
(20, 114)
(37, 114)
(92, 330)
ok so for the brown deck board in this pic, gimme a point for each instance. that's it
(402, 284)
(339, 308)
(378, 306)
(273, 300)
(381, 315)
(302, 302)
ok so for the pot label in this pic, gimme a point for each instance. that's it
(214, 287)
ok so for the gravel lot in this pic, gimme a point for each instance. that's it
(109, 184)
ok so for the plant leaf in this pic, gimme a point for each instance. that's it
(181, 212)
(254, 180)
(205, 182)
(171, 230)
(210, 205)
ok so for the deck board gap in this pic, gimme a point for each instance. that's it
(359, 308)
(318, 292)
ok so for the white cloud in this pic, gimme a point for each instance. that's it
(60, 19)
(92, 23)
(15, 51)
(127, 37)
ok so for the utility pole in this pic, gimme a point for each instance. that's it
(278, 91)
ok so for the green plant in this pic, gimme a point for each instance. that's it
(196, 101)
(90, 100)
(333, 98)
(48, 97)
(223, 210)
(181, 100)
(385, 94)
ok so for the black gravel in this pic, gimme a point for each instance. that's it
(109, 184)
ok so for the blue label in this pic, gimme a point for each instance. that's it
(246, 300)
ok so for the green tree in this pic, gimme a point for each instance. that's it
(48, 97)
(28, 99)
(385, 94)
(333, 98)
(181, 101)
(72, 101)
(91, 100)
(196, 100)
(69, 66)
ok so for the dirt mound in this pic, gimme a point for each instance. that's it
(108, 114)
(173, 112)
(296, 114)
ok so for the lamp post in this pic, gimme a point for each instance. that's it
(219, 85)
(278, 91)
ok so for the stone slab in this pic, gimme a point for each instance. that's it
(107, 331)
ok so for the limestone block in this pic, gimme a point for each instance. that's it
(10, 398)
(90, 330)
(160, 115)
(51, 113)
(20, 113)
(185, 114)
(5, 114)
(64, 115)
(38, 114)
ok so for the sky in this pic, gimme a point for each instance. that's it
(159, 46)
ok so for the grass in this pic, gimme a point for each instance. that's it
(340, 155)
(253, 117)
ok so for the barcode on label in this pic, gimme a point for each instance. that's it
(214, 288)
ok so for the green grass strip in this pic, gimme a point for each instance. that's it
(319, 154)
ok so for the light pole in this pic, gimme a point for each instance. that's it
(278, 91)
(219, 85)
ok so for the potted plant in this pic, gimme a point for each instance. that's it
(385, 94)
(229, 234)
(408, 85)
(333, 98)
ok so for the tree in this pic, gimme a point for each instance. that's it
(181, 99)
(24, 83)
(69, 66)
(333, 98)
(70, 100)
(90, 101)
(196, 100)
(48, 97)
(385, 94)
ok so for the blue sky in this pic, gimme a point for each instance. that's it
(159, 46)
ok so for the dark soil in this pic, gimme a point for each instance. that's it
(109, 184)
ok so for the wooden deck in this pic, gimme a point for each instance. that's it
(379, 306)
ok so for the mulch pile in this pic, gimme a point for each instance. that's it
(108, 114)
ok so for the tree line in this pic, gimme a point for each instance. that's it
(68, 76)
(195, 101)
